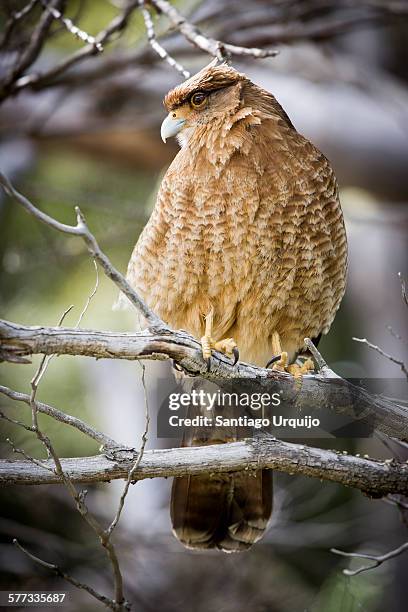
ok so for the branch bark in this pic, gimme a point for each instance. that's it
(374, 478)
(326, 390)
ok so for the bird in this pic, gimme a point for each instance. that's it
(245, 249)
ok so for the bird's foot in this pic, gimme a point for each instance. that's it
(281, 361)
(228, 346)
(298, 370)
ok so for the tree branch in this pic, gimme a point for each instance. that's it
(82, 231)
(374, 478)
(211, 46)
(325, 390)
(80, 585)
(378, 559)
(118, 603)
(36, 78)
(58, 415)
(380, 351)
(156, 46)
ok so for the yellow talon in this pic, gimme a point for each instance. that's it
(228, 346)
(283, 363)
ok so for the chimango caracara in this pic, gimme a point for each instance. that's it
(246, 248)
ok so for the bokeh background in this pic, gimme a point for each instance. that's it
(91, 138)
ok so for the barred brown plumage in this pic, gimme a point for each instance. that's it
(247, 224)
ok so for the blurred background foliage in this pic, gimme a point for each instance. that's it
(91, 139)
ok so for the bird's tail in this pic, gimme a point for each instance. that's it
(225, 511)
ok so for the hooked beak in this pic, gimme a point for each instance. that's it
(170, 127)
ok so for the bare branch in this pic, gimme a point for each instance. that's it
(329, 393)
(248, 32)
(90, 296)
(378, 559)
(81, 230)
(37, 79)
(15, 422)
(80, 585)
(31, 51)
(156, 46)
(211, 46)
(321, 364)
(29, 458)
(58, 415)
(119, 603)
(375, 478)
(71, 27)
(376, 348)
(14, 19)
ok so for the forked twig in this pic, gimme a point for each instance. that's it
(377, 559)
(380, 351)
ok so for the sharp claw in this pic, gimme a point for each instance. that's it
(273, 360)
(236, 355)
(208, 364)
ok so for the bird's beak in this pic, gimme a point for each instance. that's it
(171, 126)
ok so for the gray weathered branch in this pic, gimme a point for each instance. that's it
(372, 477)
(325, 390)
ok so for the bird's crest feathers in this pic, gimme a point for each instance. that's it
(210, 78)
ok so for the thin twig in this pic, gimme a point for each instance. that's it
(30, 52)
(44, 363)
(216, 48)
(377, 559)
(15, 422)
(118, 24)
(14, 19)
(80, 585)
(321, 364)
(90, 296)
(81, 230)
(136, 464)
(72, 28)
(62, 417)
(379, 350)
(20, 451)
(119, 602)
(156, 46)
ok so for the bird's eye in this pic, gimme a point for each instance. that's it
(198, 99)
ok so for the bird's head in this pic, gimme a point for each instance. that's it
(200, 100)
